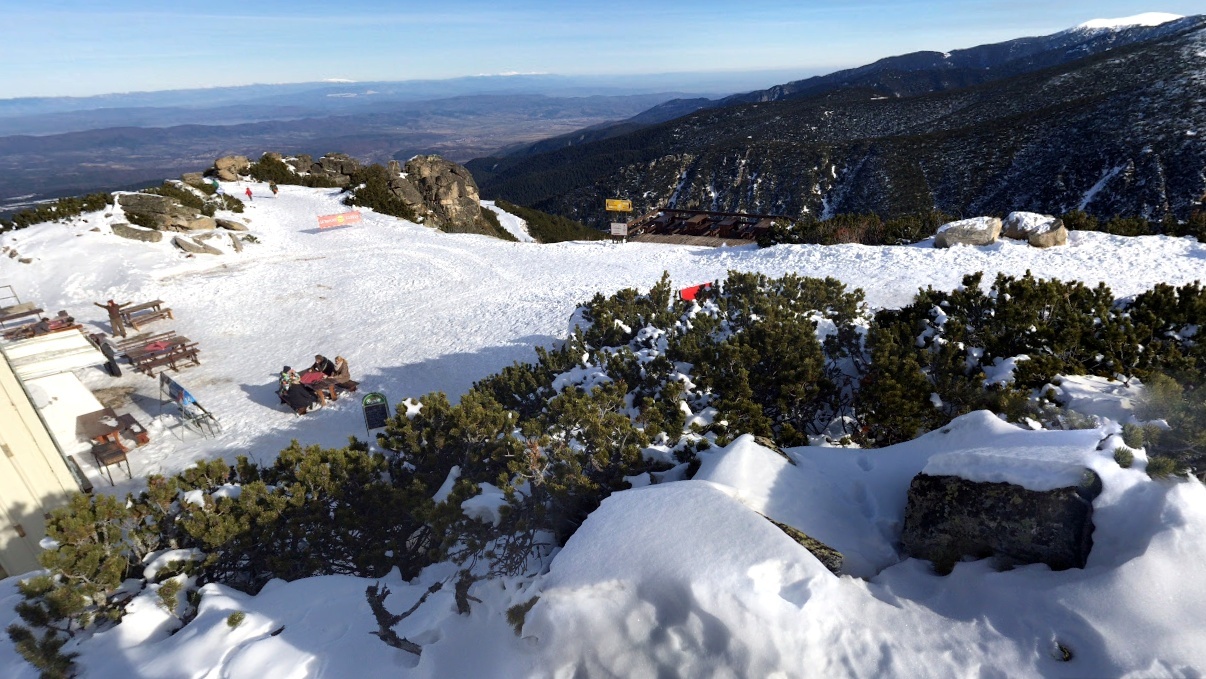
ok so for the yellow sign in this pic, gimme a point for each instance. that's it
(619, 205)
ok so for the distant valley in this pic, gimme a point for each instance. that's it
(457, 128)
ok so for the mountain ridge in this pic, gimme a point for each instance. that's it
(1112, 133)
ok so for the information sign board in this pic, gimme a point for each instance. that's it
(619, 229)
(376, 410)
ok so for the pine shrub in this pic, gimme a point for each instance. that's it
(63, 208)
(1124, 456)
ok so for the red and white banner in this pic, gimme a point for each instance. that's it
(343, 219)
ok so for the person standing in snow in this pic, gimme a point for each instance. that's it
(248, 193)
(272, 187)
(114, 309)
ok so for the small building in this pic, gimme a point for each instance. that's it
(35, 475)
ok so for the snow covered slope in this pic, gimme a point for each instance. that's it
(679, 579)
(415, 310)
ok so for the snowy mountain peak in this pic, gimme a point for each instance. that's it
(1145, 19)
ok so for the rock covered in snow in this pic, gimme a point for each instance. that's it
(974, 231)
(948, 518)
(194, 247)
(1042, 231)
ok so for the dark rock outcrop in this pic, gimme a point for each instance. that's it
(157, 212)
(949, 518)
(449, 192)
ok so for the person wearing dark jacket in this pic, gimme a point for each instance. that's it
(114, 309)
(325, 388)
(293, 393)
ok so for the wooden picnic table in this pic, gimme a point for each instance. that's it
(100, 426)
(140, 340)
(172, 357)
(25, 311)
(144, 313)
(157, 347)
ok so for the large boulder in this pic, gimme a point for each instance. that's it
(1041, 231)
(449, 191)
(192, 246)
(201, 223)
(338, 163)
(136, 233)
(949, 518)
(974, 231)
(157, 212)
(230, 224)
(228, 168)
(193, 178)
(300, 163)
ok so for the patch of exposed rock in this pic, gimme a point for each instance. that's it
(442, 193)
(449, 193)
(829, 557)
(136, 233)
(228, 168)
(230, 224)
(158, 212)
(949, 518)
(193, 246)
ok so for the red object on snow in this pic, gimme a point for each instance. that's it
(249, 192)
(689, 294)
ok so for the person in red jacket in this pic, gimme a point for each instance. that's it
(248, 193)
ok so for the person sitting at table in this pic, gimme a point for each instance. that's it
(294, 394)
(322, 366)
(342, 374)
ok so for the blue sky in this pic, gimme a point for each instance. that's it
(83, 47)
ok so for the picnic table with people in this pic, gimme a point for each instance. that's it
(44, 326)
(317, 384)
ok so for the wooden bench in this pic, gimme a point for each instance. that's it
(22, 311)
(141, 314)
(132, 429)
(110, 453)
(171, 359)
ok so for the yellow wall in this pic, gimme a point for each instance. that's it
(34, 479)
